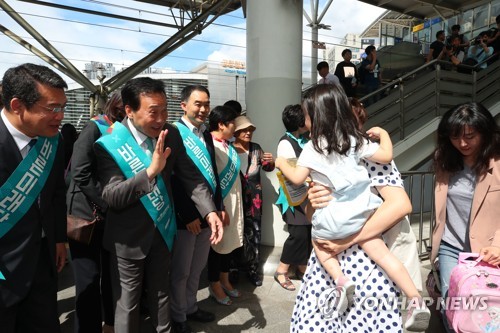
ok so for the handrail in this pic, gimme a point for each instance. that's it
(399, 80)
(419, 185)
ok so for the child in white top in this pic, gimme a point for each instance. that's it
(331, 158)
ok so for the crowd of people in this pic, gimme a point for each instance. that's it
(169, 199)
(456, 49)
(459, 50)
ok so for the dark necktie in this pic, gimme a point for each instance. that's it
(27, 149)
(150, 149)
(31, 144)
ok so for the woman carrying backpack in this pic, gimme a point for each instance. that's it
(467, 192)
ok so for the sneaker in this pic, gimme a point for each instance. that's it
(346, 295)
(417, 319)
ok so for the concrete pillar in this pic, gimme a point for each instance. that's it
(274, 80)
(314, 56)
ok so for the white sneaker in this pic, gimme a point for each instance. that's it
(346, 296)
(417, 319)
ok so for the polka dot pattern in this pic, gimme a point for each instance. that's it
(383, 174)
(313, 312)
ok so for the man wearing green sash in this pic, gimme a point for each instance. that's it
(32, 199)
(192, 244)
(135, 162)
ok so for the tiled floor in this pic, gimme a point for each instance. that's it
(260, 309)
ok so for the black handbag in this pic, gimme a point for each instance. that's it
(79, 229)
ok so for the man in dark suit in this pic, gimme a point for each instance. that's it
(32, 199)
(139, 245)
(192, 244)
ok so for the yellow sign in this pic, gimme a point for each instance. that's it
(233, 64)
(418, 27)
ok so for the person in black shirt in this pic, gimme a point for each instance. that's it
(347, 73)
(436, 46)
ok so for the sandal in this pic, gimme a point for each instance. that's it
(287, 284)
(298, 274)
(223, 301)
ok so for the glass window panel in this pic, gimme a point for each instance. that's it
(466, 24)
(448, 23)
(495, 10)
(480, 17)
(434, 29)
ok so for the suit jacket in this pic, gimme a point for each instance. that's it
(129, 229)
(483, 222)
(20, 247)
(185, 208)
(84, 186)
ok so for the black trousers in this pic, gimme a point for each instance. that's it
(37, 312)
(298, 245)
(93, 299)
(217, 263)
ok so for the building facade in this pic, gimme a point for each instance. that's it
(225, 80)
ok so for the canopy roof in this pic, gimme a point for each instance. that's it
(427, 8)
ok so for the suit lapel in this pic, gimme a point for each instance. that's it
(209, 142)
(12, 156)
(480, 192)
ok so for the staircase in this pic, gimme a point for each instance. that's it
(413, 104)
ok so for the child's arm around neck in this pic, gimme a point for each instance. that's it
(296, 175)
(384, 153)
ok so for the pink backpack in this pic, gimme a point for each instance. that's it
(473, 302)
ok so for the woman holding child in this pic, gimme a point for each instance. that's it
(356, 275)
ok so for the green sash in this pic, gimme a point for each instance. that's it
(282, 200)
(23, 187)
(198, 153)
(103, 124)
(230, 173)
(131, 159)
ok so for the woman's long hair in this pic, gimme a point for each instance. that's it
(114, 107)
(332, 119)
(446, 157)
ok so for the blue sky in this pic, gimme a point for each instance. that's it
(82, 37)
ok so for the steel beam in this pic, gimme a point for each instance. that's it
(94, 12)
(70, 68)
(182, 36)
(33, 49)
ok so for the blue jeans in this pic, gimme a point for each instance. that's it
(448, 259)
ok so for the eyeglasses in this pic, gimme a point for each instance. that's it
(55, 109)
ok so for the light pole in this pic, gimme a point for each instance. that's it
(99, 97)
(237, 78)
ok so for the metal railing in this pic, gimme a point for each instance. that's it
(419, 186)
(427, 92)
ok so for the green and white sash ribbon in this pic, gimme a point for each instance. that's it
(282, 200)
(230, 172)
(23, 187)
(131, 159)
(198, 153)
